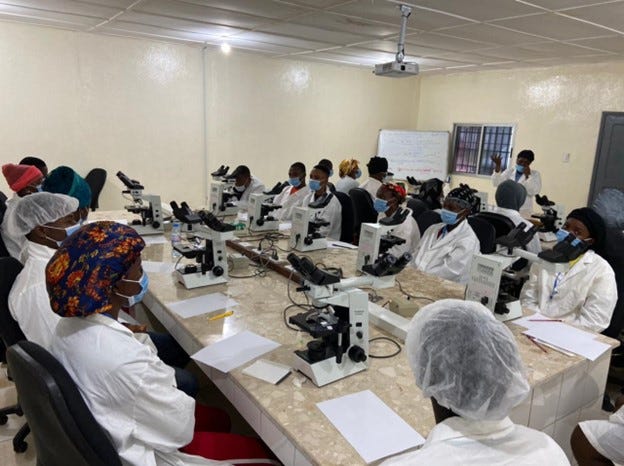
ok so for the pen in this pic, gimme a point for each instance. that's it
(536, 343)
(221, 316)
(545, 320)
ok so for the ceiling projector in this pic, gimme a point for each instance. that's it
(399, 68)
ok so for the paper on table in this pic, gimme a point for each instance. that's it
(369, 425)
(157, 267)
(235, 351)
(201, 305)
(569, 338)
(269, 371)
(284, 226)
(340, 244)
(531, 321)
(154, 239)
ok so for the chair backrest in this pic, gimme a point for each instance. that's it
(3, 200)
(426, 219)
(64, 429)
(10, 331)
(363, 211)
(485, 233)
(417, 206)
(96, 179)
(502, 224)
(613, 253)
(346, 233)
(4, 252)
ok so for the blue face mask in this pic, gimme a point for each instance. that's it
(520, 168)
(449, 217)
(68, 232)
(294, 182)
(380, 205)
(137, 298)
(358, 173)
(561, 234)
(39, 188)
(331, 172)
(314, 185)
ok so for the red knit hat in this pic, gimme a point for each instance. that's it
(20, 176)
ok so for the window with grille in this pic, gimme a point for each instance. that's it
(474, 145)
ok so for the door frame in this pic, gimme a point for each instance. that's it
(591, 195)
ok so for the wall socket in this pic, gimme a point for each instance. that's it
(566, 157)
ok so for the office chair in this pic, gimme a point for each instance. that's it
(613, 253)
(65, 431)
(426, 219)
(363, 211)
(502, 224)
(485, 232)
(10, 333)
(346, 233)
(3, 200)
(3, 250)
(417, 206)
(96, 179)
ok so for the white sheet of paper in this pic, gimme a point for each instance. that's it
(235, 351)
(123, 221)
(157, 267)
(154, 239)
(340, 244)
(569, 338)
(285, 226)
(370, 426)
(269, 371)
(201, 305)
(531, 321)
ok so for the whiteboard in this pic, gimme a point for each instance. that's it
(421, 154)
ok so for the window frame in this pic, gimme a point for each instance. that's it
(453, 171)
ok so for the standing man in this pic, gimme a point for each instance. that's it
(520, 173)
(377, 171)
(245, 185)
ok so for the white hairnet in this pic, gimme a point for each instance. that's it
(38, 209)
(465, 359)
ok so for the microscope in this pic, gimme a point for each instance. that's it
(304, 233)
(338, 321)
(376, 238)
(260, 208)
(211, 267)
(223, 200)
(492, 279)
(552, 218)
(146, 205)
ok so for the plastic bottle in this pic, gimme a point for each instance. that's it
(176, 237)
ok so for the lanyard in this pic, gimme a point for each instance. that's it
(558, 280)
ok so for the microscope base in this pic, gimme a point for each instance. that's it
(319, 243)
(328, 371)
(229, 211)
(272, 225)
(515, 312)
(197, 279)
(147, 229)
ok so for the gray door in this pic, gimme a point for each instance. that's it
(609, 163)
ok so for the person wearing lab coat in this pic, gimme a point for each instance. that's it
(510, 197)
(469, 365)
(586, 293)
(44, 220)
(23, 180)
(64, 180)
(446, 249)
(292, 195)
(377, 173)
(521, 173)
(244, 185)
(131, 393)
(326, 205)
(349, 172)
(389, 199)
(596, 442)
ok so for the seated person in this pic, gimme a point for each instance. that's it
(330, 166)
(128, 389)
(389, 198)
(377, 171)
(349, 171)
(244, 185)
(292, 195)
(469, 365)
(45, 220)
(510, 197)
(319, 195)
(64, 180)
(521, 173)
(36, 162)
(23, 180)
(446, 248)
(586, 294)
(600, 442)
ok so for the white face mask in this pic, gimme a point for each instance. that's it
(239, 189)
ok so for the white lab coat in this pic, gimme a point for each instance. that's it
(289, 200)
(29, 302)
(532, 184)
(607, 437)
(408, 230)
(255, 187)
(346, 184)
(129, 390)
(372, 186)
(457, 441)
(585, 295)
(450, 256)
(513, 215)
(332, 213)
(13, 243)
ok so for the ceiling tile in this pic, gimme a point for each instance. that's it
(262, 46)
(484, 10)
(610, 44)
(553, 26)
(110, 3)
(282, 40)
(313, 33)
(46, 17)
(443, 42)
(66, 6)
(315, 3)
(391, 47)
(177, 23)
(335, 58)
(363, 55)
(333, 22)
(561, 4)
(490, 34)
(121, 27)
(514, 53)
(557, 49)
(465, 57)
(610, 15)
(264, 9)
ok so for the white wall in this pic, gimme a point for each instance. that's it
(557, 110)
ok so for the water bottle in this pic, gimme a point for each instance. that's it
(176, 237)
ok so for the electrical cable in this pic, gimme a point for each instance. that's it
(385, 356)
(411, 296)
